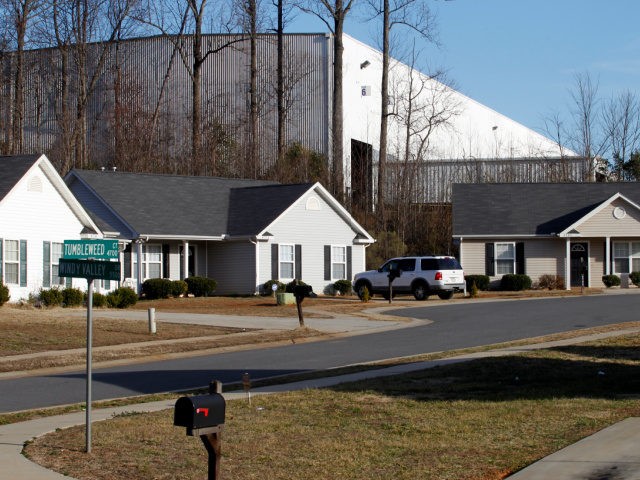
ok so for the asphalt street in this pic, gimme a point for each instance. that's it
(455, 325)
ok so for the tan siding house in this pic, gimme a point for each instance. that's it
(579, 232)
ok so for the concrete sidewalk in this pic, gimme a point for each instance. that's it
(612, 453)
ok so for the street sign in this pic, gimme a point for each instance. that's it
(96, 249)
(89, 269)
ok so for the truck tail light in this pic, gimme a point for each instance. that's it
(438, 276)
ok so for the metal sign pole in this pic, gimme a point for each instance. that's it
(89, 343)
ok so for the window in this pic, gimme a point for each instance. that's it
(11, 261)
(625, 255)
(56, 253)
(287, 261)
(151, 261)
(338, 263)
(505, 258)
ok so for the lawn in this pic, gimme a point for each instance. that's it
(477, 420)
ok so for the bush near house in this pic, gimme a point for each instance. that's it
(551, 282)
(99, 300)
(155, 288)
(72, 297)
(268, 287)
(481, 281)
(122, 297)
(201, 286)
(611, 280)
(635, 278)
(515, 282)
(343, 287)
(4, 294)
(179, 288)
(51, 297)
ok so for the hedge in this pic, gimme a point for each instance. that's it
(481, 281)
(4, 294)
(515, 282)
(611, 280)
(201, 286)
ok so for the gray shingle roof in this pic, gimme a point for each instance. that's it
(170, 204)
(531, 208)
(12, 169)
(252, 209)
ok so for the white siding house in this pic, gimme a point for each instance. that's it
(37, 212)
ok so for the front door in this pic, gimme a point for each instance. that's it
(580, 264)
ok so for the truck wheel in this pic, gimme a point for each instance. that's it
(445, 295)
(420, 291)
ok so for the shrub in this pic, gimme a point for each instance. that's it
(201, 286)
(290, 286)
(551, 282)
(635, 278)
(178, 288)
(366, 296)
(515, 282)
(611, 280)
(51, 297)
(473, 290)
(155, 288)
(481, 281)
(4, 294)
(122, 297)
(343, 287)
(268, 287)
(99, 300)
(72, 297)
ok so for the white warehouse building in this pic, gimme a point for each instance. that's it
(454, 139)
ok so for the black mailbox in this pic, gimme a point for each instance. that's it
(199, 412)
(394, 273)
(302, 291)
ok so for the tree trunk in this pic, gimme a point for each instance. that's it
(384, 109)
(337, 115)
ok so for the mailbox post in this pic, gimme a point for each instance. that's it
(394, 273)
(301, 292)
(203, 415)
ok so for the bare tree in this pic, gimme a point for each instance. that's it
(333, 14)
(621, 124)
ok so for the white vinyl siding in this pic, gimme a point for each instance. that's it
(605, 224)
(338, 262)
(505, 258)
(11, 258)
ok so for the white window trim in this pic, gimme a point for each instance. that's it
(495, 258)
(146, 262)
(11, 262)
(281, 261)
(333, 262)
(629, 256)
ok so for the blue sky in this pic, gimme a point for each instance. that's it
(520, 57)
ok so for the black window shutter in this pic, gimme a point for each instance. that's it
(23, 263)
(520, 258)
(327, 262)
(298, 250)
(274, 261)
(489, 257)
(349, 269)
(46, 264)
(165, 260)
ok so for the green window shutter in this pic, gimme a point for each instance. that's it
(274, 261)
(1, 264)
(46, 264)
(23, 263)
(298, 257)
(327, 262)
(349, 257)
(489, 257)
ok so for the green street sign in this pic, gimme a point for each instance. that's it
(89, 269)
(96, 249)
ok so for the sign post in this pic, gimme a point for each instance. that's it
(90, 259)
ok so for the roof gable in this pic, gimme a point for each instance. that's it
(12, 169)
(532, 209)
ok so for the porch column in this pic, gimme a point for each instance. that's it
(139, 266)
(257, 279)
(607, 253)
(185, 259)
(567, 265)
